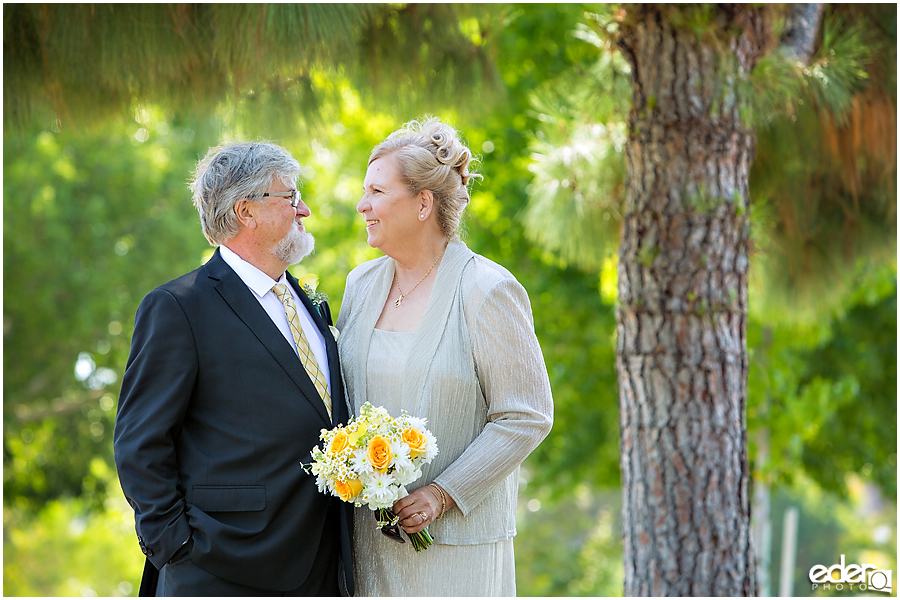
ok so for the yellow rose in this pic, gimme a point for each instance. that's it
(379, 453)
(416, 441)
(348, 490)
(339, 442)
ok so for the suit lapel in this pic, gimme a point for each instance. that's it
(241, 300)
(338, 405)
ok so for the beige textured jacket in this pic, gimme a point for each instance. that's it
(475, 372)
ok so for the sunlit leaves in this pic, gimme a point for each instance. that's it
(91, 224)
(77, 66)
(823, 393)
(70, 548)
(575, 199)
(94, 222)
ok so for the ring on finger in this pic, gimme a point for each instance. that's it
(424, 517)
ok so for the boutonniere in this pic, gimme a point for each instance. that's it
(309, 283)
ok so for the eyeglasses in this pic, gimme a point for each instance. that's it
(294, 196)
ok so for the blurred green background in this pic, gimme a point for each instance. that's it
(97, 213)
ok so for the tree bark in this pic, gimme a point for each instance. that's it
(799, 36)
(682, 316)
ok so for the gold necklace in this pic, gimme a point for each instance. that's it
(397, 277)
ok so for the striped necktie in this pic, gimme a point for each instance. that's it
(306, 355)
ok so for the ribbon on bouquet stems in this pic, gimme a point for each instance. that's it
(388, 522)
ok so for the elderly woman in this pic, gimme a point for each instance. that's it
(448, 335)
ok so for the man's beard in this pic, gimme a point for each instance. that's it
(295, 246)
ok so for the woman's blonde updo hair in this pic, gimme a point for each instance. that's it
(431, 157)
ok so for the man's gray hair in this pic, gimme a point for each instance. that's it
(232, 171)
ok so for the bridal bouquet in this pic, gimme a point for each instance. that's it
(370, 460)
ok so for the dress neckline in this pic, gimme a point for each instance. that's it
(394, 332)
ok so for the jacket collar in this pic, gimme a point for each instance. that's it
(241, 300)
(444, 295)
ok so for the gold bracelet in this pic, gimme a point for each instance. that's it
(443, 498)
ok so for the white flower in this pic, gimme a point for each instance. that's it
(344, 473)
(407, 474)
(379, 483)
(431, 448)
(401, 454)
(381, 491)
(359, 462)
(416, 423)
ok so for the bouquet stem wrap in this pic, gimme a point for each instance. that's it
(388, 522)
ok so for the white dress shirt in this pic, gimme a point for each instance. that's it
(261, 286)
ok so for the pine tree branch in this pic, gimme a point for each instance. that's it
(799, 37)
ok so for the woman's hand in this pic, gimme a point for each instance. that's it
(421, 507)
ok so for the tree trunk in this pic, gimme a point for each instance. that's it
(682, 317)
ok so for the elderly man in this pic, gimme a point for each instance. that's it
(232, 374)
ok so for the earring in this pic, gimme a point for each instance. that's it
(421, 216)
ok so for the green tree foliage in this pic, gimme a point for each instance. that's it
(825, 167)
(860, 436)
(431, 55)
(574, 322)
(579, 168)
(77, 65)
(90, 225)
(572, 547)
(824, 183)
(82, 63)
(72, 547)
(823, 393)
(94, 220)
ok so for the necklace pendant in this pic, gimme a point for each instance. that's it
(399, 300)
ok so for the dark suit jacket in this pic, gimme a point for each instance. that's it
(215, 416)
